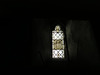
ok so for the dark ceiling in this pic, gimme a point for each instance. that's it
(49, 8)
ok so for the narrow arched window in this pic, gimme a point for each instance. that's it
(57, 43)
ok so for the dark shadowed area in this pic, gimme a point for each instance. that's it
(26, 34)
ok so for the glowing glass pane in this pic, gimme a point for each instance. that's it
(57, 43)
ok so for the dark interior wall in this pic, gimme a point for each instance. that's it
(82, 44)
(42, 41)
(81, 40)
